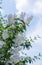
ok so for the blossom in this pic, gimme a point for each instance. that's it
(28, 20)
(15, 50)
(5, 34)
(22, 15)
(11, 19)
(14, 57)
(1, 44)
(20, 38)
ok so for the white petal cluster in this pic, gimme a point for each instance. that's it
(15, 58)
(5, 34)
(1, 44)
(16, 50)
(20, 39)
(28, 20)
(22, 15)
(11, 19)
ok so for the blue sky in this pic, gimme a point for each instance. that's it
(31, 7)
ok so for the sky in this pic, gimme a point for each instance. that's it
(31, 7)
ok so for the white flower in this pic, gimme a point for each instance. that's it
(16, 50)
(1, 44)
(22, 15)
(15, 58)
(11, 19)
(5, 34)
(28, 20)
(20, 39)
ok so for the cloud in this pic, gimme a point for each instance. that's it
(20, 4)
(37, 9)
(29, 6)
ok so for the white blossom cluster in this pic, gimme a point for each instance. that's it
(5, 34)
(26, 20)
(1, 44)
(11, 19)
(15, 58)
(20, 38)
